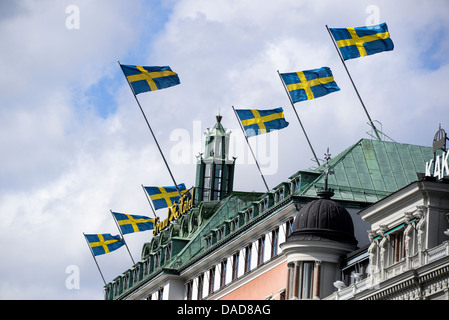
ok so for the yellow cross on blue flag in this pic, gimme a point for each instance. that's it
(362, 41)
(164, 197)
(143, 79)
(257, 122)
(103, 243)
(309, 84)
(133, 223)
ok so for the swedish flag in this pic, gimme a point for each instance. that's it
(133, 223)
(309, 84)
(164, 197)
(104, 243)
(257, 122)
(143, 79)
(362, 41)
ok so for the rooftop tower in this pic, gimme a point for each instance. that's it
(215, 171)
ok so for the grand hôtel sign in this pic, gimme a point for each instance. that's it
(176, 211)
(438, 167)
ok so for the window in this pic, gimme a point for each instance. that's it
(146, 269)
(168, 252)
(217, 181)
(126, 281)
(136, 274)
(233, 224)
(397, 246)
(157, 259)
(300, 279)
(206, 187)
(160, 294)
(200, 286)
(220, 233)
(274, 242)
(296, 184)
(248, 252)
(307, 279)
(263, 205)
(223, 268)
(260, 250)
(279, 194)
(189, 289)
(208, 240)
(248, 215)
(235, 265)
(289, 227)
(211, 280)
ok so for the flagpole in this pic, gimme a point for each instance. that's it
(121, 233)
(353, 84)
(149, 201)
(94, 258)
(246, 138)
(151, 130)
(297, 116)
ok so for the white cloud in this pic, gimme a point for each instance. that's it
(66, 163)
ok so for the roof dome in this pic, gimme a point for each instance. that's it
(323, 219)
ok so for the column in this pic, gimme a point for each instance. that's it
(296, 280)
(316, 280)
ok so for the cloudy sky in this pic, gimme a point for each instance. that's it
(74, 144)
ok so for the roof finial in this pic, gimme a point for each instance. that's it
(219, 117)
(326, 193)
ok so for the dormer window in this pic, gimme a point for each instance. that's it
(279, 195)
(220, 233)
(248, 215)
(263, 205)
(234, 224)
(296, 184)
(208, 240)
(157, 259)
(146, 267)
(168, 252)
(136, 274)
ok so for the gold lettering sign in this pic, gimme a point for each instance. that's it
(175, 212)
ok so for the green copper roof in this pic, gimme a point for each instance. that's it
(224, 211)
(370, 170)
(363, 174)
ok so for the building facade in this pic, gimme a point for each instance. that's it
(364, 225)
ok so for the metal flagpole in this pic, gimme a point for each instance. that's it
(149, 201)
(246, 138)
(94, 258)
(294, 109)
(120, 230)
(353, 84)
(151, 130)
